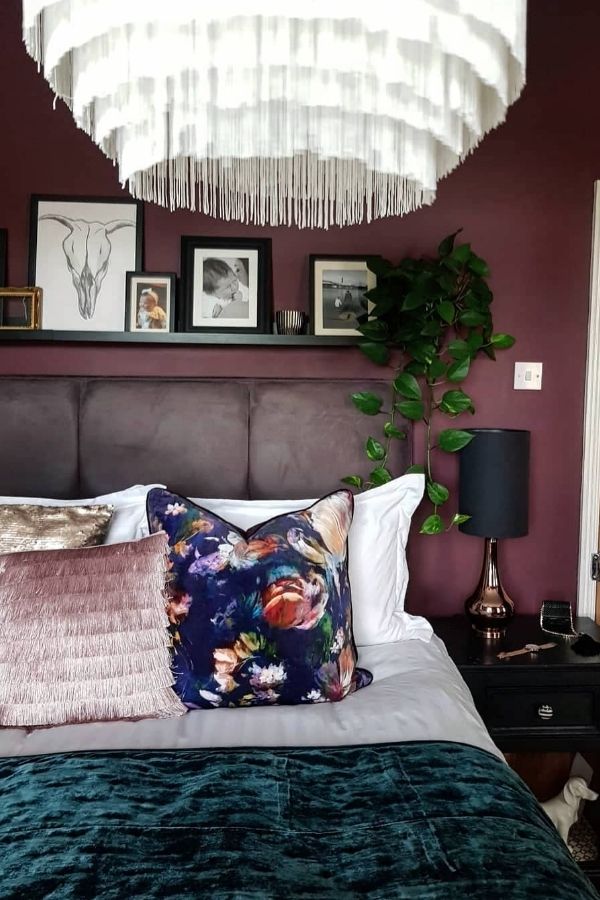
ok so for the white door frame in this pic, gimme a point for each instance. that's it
(590, 482)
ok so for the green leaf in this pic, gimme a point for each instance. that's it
(451, 264)
(479, 266)
(459, 369)
(375, 330)
(415, 470)
(407, 386)
(481, 291)
(411, 409)
(353, 480)
(458, 349)
(380, 475)
(377, 353)
(437, 493)
(447, 244)
(445, 311)
(455, 402)
(378, 265)
(502, 341)
(368, 403)
(392, 431)
(432, 525)
(415, 368)
(474, 341)
(437, 368)
(374, 449)
(458, 519)
(431, 329)
(447, 282)
(453, 439)
(413, 300)
(421, 351)
(471, 318)
(462, 253)
(380, 292)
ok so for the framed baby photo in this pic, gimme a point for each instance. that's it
(226, 284)
(150, 301)
(338, 285)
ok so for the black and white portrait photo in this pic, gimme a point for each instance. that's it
(79, 252)
(338, 288)
(225, 284)
(150, 301)
(225, 287)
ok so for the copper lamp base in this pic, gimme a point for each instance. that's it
(489, 608)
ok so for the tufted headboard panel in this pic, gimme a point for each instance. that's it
(81, 437)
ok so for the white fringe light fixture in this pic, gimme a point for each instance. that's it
(330, 113)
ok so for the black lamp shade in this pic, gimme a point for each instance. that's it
(494, 483)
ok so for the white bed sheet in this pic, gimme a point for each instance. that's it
(417, 694)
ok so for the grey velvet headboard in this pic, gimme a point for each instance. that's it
(81, 437)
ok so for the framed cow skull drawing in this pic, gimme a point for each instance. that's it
(79, 251)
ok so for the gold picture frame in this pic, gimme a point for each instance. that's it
(20, 308)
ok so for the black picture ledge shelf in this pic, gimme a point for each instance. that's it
(180, 337)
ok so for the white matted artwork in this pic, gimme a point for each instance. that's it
(80, 250)
(338, 288)
(225, 288)
(225, 284)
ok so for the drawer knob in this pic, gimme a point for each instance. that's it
(545, 711)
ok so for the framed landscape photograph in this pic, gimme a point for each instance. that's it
(150, 301)
(338, 285)
(79, 251)
(225, 284)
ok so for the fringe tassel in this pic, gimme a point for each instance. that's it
(156, 704)
(156, 677)
(55, 668)
(79, 646)
(39, 631)
(91, 639)
(304, 191)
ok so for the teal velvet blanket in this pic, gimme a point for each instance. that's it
(417, 820)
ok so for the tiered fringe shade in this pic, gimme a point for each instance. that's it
(332, 113)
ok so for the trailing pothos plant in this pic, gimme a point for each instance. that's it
(436, 312)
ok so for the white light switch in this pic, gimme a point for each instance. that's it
(528, 376)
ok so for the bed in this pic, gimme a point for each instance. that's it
(397, 791)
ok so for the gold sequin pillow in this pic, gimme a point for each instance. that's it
(24, 526)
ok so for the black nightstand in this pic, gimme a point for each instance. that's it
(547, 702)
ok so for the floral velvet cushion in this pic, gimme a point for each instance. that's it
(260, 616)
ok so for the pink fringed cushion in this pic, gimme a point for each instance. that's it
(83, 635)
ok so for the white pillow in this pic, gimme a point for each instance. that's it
(128, 522)
(376, 554)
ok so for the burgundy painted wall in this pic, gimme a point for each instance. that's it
(524, 199)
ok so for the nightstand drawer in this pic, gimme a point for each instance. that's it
(544, 708)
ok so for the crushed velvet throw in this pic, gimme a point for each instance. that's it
(83, 635)
(416, 821)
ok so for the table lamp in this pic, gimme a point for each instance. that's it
(494, 492)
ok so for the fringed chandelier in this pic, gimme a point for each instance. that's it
(334, 112)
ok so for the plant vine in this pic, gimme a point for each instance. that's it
(436, 312)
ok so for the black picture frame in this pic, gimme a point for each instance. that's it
(3, 256)
(76, 321)
(316, 317)
(156, 281)
(255, 255)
